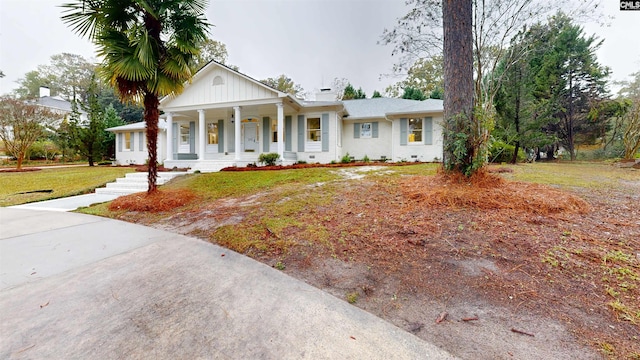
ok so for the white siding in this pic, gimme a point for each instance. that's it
(421, 151)
(373, 148)
(140, 156)
(311, 156)
(227, 87)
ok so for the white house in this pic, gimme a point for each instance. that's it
(59, 106)
(225, 118)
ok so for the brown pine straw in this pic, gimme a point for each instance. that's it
(486, 191)
(158, 201)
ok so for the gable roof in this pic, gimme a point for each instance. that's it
(209, 64)
(382, 107)
(58, 104)
(217, 83)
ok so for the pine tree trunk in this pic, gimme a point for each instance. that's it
(458, 82)
(516, 119)
(151, 115)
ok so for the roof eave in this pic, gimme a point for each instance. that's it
(373, 117)
(420, 112)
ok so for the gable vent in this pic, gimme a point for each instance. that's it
(218, 80)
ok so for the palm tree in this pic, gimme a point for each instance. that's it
(147, 48)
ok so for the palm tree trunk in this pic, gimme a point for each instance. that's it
(151, 115)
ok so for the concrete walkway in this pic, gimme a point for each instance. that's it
(130, 184)
(68, 203)
(74, 286)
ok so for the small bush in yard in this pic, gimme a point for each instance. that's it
(352, 297)
(269, 159)
(503, 153)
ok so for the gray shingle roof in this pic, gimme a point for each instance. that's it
(57, 103)
(381, 107)
(54, 102)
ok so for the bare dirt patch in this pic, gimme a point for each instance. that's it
(512, 270)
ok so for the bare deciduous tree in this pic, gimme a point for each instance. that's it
(419, 34)
(22, 124)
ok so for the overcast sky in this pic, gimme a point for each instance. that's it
(312, 41)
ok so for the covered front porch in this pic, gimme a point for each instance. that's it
(216, 136)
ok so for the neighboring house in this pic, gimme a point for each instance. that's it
(58, 105)
(225, 118)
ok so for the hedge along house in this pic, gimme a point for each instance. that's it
(225, 118)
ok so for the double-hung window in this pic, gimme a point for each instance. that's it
(415, 130)
(314, 132)
(127, 141)
(365, 130)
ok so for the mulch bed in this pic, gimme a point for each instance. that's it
(307, 166)
(13, 170)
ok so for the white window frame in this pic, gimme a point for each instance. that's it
(126, 143)
(183, 134)
(274, 131)
(141, 141)
(412, 131)
(184, 145)
(213, 136)
(317, 131)
(316, 144)
(366, 130)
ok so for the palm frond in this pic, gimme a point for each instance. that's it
(146, 50)
(131, 69)
(153, 8)
(145, 45)
(176, 67)
(196, 6)
(82, 17)
(163, 85)
(119, 15)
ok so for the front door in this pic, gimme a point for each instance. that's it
(250, 137)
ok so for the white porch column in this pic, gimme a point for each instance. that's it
(169, 136)
(238, 120)
(280, 130)
(202, 129)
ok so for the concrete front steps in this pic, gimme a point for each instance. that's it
(135, 182)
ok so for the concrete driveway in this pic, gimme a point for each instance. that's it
(74, 286)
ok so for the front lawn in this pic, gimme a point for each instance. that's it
(51, 183)
(541, 262)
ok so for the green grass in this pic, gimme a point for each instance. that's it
(237, 183)
(570, 175)
(412, 169)
(63, 181)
